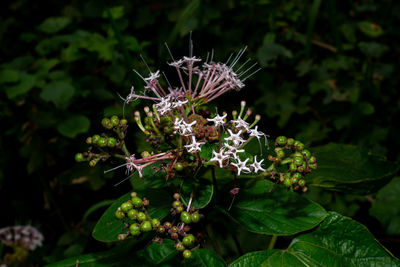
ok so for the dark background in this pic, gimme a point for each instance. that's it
(329, 74)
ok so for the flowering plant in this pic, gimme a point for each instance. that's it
(217, 166)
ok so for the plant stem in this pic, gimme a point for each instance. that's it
(237, 244)
(272, 242)
(124, 149)
(214, 179)
(214, 243)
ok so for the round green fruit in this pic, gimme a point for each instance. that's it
(306, 153)
(114, 120)
(102, 142)
(79, 157)
(119, 214)
(141, 216)
(125, 207)
(111, 142)
(186, 217)
(134, 227)
(179, 209)
(178, 166)
(188, 240)
(137, 202)
(146, 226)
(287, 182)
(298, 160)
(155, 222)
(95, 138)
(195, 217)
(132, 214)
(302, 183)
(187, 254)
(179, 246)
(290, 141)
(176, 204)
(281, 140)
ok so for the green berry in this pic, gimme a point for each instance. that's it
(300, 146)
(298, 160)
(287, 182)
(141, 216)
(123, 122)
(95, 138)
(297, 154)
(134, 228)
(302, 183)
(188, 240)
(179, 209)
(125, 207)
(290, 141)
(93, 162)
(119, 214)
(137, 202)
(178, 166)
(114, 120)
(132, 214)
(102, 142)
(121, 237)
(305, 189)
(195, 217)
(79, 157)
(187, 254)
(155, 222)
(89, 140)
(281, 140)
(296, 177)
(313, 166)
(186, 217)
(146, 226)
(106, 123)
(293, 167)
(312, 160)
(280, 154)
(176, 204)
(306, 153)
(179, 246)
(111, 142)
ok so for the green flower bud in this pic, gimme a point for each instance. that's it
(106, 123)
(134, 228)
(312, 160)
(176, 204)
(290, 141)
(179, 209)
(298, 160)
(302, 183)
(123, 122)
(188, 240)
(300, 146)
(89, 140)
(155, 222)
(179, 246)
(119, 214)
(287, 182)
(306, 153)
(145, 154)
(95, 138)
(293, 167)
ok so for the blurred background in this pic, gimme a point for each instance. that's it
(329, 74)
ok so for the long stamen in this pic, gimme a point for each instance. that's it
(247, 70)
(117, 184)
(239, 55)
(169, 51)
(251, 74)
(243, 64)
(113, 169)
(144, 61)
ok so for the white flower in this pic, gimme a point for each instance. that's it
(240, 123)
(194, 146)
(176, 63)
(179, 103)
(241, 166)
(232, 150)
(187, 128)
(164, 105)
(218, 120)
(219, 157)
(254, 132)
(235, 138)
(153, 76)
(257, 165)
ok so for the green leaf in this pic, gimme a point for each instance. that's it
(26, 83)
(54, 24)
(202, 192)
(279, 212)
(74, 125)
(58, 92)
(346, 168)
(117, 256)
(370, 29)
(8, 76)
(373, 49)
(157, 253)
(116, 12)
(270, 52)
(95, 207)
(204, 258)
(108, 227)
(385, 207)
(338, 241)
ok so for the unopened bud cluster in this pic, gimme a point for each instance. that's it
(297, 161)
(27, 237)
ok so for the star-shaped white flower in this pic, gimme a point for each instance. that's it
(232, 150)
(257, 165)
(241, 166)
(187, 128)
(164, 105)
(254, 132)
(218, 120)
(219, 157)
(179, 103)
(153, 76)
(240, 123)
(235, 138)
(194, 146)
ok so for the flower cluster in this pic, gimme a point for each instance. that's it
(27, 237)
